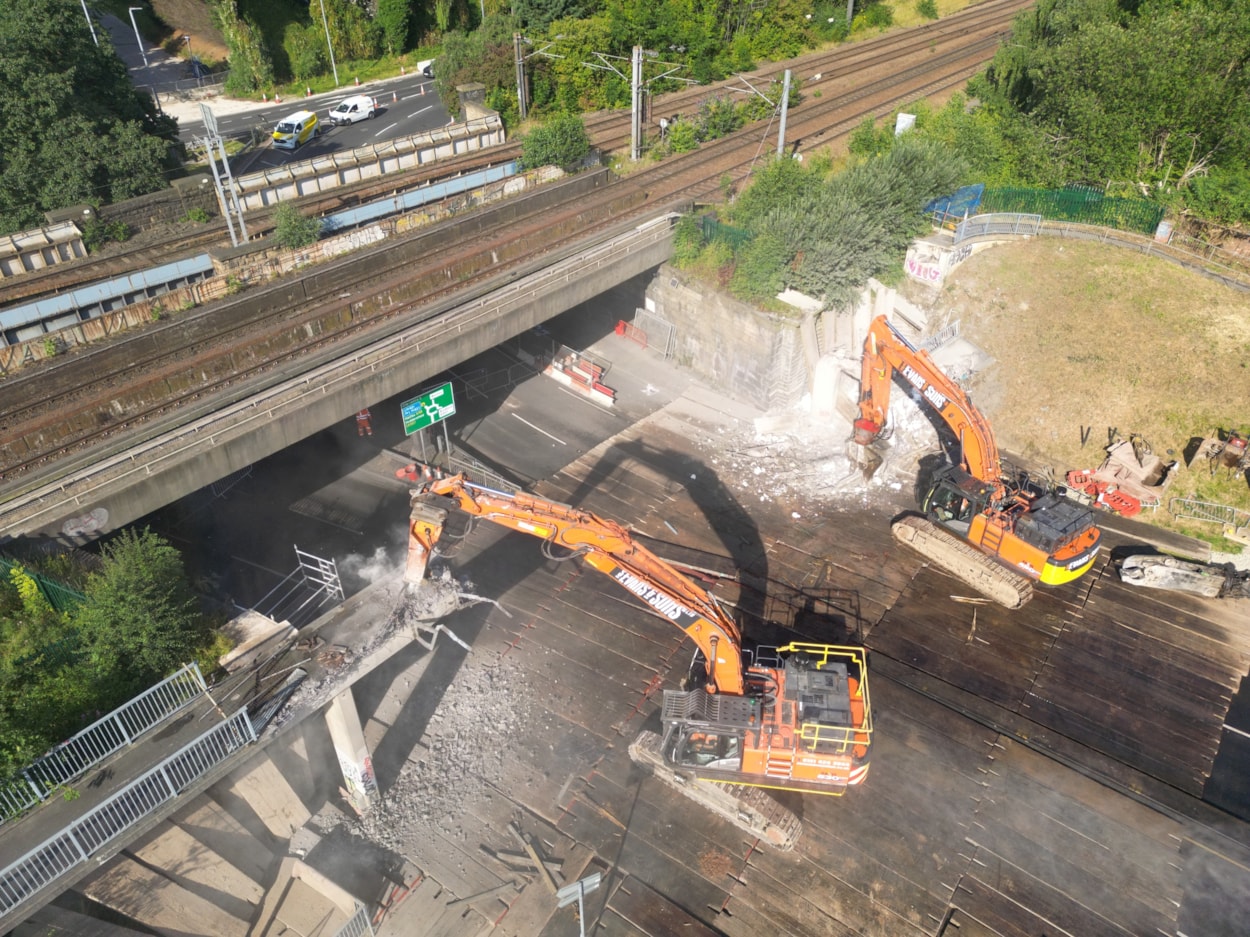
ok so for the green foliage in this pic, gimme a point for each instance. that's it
(927, 8)
(196, 216)
(97, 233)
(682, 136)
(561, 141)
(306, 52)
(140, 621)
(874, 16)
(74, 128)
(61, 671)
(292, 229)
(51, 347)
(1148, 97)
(251, 65)
(393, 18)
(826, 235)
(687, 240)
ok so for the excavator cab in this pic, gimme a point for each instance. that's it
(954, 497)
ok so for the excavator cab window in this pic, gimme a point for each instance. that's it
(703, 749)
(948, 504)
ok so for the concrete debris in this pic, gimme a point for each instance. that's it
(796, 458)
(456, 774)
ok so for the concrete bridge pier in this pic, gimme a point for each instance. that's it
(360, 786)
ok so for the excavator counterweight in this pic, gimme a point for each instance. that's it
(795, 717)
(993, 532)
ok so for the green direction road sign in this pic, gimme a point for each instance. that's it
(431, 407)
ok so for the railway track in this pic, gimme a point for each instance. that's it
(820, 72)
(88, 405)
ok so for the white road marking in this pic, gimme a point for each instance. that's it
(538, 430)
(384, 129)
(422, 111)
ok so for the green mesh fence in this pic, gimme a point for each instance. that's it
(714, 230)
(1076, 203)
(59, 596)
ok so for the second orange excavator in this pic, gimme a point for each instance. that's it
(995, 532)
(793, 718)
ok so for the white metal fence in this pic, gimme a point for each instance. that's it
(998, 223)
(358, 925)
(1224, 514)
(82, 839)
(75, 757)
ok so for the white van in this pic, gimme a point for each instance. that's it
(358, 107)
(296, 130)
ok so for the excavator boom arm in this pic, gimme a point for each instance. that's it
(886, 351)
(603, 544)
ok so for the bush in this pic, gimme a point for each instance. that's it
(927, 9)
(562, 141)
(197, 215)
(97, 233)
(292, 229)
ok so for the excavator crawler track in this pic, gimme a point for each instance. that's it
(963, 561)
(751, 809)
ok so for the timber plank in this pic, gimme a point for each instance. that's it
(1076, 792)
(1175, 642)
(994, 912)
(653, 913)
(1097, 869)
(1046, 901)
(1161, 736)
(1124, 749)
(1086, 873)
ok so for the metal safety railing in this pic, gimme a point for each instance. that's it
(78, 755)
(1224, 514)
(998, 223)
(77, 843)
(358, 925)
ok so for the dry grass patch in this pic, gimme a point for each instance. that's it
(1091, 339)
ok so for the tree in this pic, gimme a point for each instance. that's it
(827, 234)
(74, 128)
(394, 18)
(251, 66)
(140, 621)
(292, 229)
(561, 141)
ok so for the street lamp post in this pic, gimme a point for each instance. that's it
(195, 67)
(90, 25)
(329, 45)
(144, 52)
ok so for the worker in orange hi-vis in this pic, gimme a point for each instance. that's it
(364, 423)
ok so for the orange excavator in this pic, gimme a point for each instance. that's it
(794, 718)
(996, 533)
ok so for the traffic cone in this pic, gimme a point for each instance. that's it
(423, 89)
(277, 98)
(264, 97)
(394, 97)
(357, 82)
(401, 70)
(307, 92)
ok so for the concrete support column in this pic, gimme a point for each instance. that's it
(359, 784)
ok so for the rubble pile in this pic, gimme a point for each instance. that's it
(459, 766)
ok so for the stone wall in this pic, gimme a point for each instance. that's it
(753, 355)
(773, 359)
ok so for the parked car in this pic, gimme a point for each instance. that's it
(350, 110)
(296, 130)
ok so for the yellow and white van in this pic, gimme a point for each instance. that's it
(296, 130)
